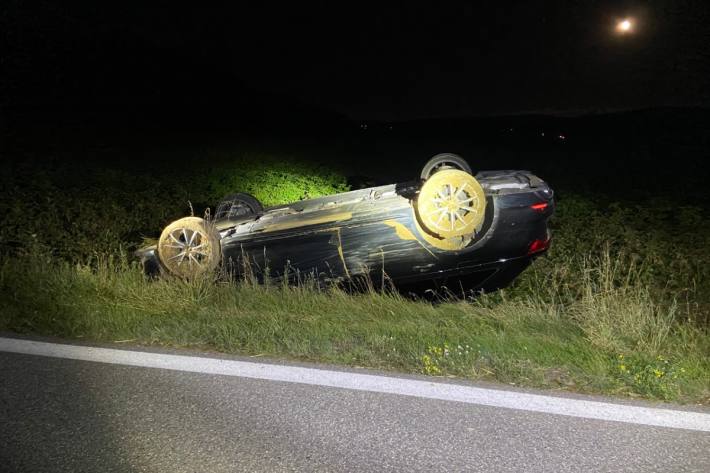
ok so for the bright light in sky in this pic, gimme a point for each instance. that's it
(624, 26)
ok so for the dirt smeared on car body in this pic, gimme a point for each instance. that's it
(453, 229)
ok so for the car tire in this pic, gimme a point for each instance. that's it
(189, 248)
(236, 207)
(444, 161)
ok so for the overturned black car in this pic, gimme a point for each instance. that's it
(446, 229)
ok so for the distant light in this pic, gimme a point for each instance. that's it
(624, 26)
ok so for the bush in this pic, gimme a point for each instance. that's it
(77, 212)
(273, 180)
(655, 245)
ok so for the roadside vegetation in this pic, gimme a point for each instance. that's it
(620, 305)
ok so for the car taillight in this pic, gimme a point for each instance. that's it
(540, 206)
(537, 246)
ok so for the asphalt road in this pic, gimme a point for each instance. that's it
(71, 415)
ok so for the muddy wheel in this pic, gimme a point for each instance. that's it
(189, 247)
(450, 204)
(444, 161)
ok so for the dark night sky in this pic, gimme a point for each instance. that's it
(424, 61)
(367, 61)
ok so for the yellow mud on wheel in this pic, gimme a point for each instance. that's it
(189, 247)
(451, 203)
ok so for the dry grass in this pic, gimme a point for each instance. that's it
(606, 333)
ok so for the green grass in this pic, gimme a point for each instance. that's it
(613, 339)
(620, 305)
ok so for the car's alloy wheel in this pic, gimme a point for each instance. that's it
(450, 204)
(189, 247)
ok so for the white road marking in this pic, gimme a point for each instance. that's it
(364, 382)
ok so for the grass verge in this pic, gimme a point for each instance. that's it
(620, 305)
(612, 336)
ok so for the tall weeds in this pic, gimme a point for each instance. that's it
(575, 326)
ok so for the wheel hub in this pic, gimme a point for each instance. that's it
(451, 203)
(187, 248)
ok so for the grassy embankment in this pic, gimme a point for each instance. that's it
(620, 304)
